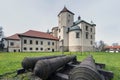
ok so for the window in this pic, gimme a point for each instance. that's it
(59, 37)
(11, 43)
(48, 48)
(25, 48)
(36, 42)
(77, 35)
(53, 43)
(86, 28)
(36, 48)
(53, 50)
(48, 43)
(41, 42)
(86, 35)
(68, 20)
(41, 49)
(30, 41)
(59, 30)
(25, 41)
(91, 37)
(14, 50)
(30, 48)
(91, 42)
(91, 29)
(69, 15)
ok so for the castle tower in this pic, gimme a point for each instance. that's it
(65, 20)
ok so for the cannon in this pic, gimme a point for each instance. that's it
(65, 67)
(44, 68)
(85, 71)
(28, 63)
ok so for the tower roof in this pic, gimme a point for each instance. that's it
(65, 10)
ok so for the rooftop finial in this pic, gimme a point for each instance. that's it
(64, 6)
(79, 18)
(92, 22)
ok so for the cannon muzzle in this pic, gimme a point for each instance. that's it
(85, 71)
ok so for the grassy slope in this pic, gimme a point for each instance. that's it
(12, 61)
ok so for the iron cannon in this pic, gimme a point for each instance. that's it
(44, 68)
(28, 63)
(87, 70)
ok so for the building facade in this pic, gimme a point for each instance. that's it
(69, 35)
(12, 43)
(31, 41)
(74, 36)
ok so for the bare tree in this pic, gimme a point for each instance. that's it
(99, 46)
(115, 44)
(1, 39)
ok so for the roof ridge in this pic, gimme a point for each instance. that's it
(38, 34)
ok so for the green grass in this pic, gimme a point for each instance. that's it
(12, 61)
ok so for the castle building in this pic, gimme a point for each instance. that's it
(74, 36)
(69, 35)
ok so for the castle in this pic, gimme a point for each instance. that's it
(69, 35)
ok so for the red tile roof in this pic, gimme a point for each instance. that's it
(65, 10)
(38, 34)
(112, 47)
(13, 37)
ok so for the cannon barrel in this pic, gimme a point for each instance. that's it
(85, 71)
(44, 68)
(28, 63)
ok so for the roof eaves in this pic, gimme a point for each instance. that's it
(21, 35)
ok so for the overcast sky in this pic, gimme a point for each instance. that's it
(18, 16)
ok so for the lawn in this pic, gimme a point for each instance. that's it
(12, 61)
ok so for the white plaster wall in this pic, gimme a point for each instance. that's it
(55, 32)
(15, 47)
(86, 43)
(5, 43)
(65, 20)
(45, 45)
(73, 41)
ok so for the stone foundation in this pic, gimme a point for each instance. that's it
(80, 48)
(75, 48)
(65, 48)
